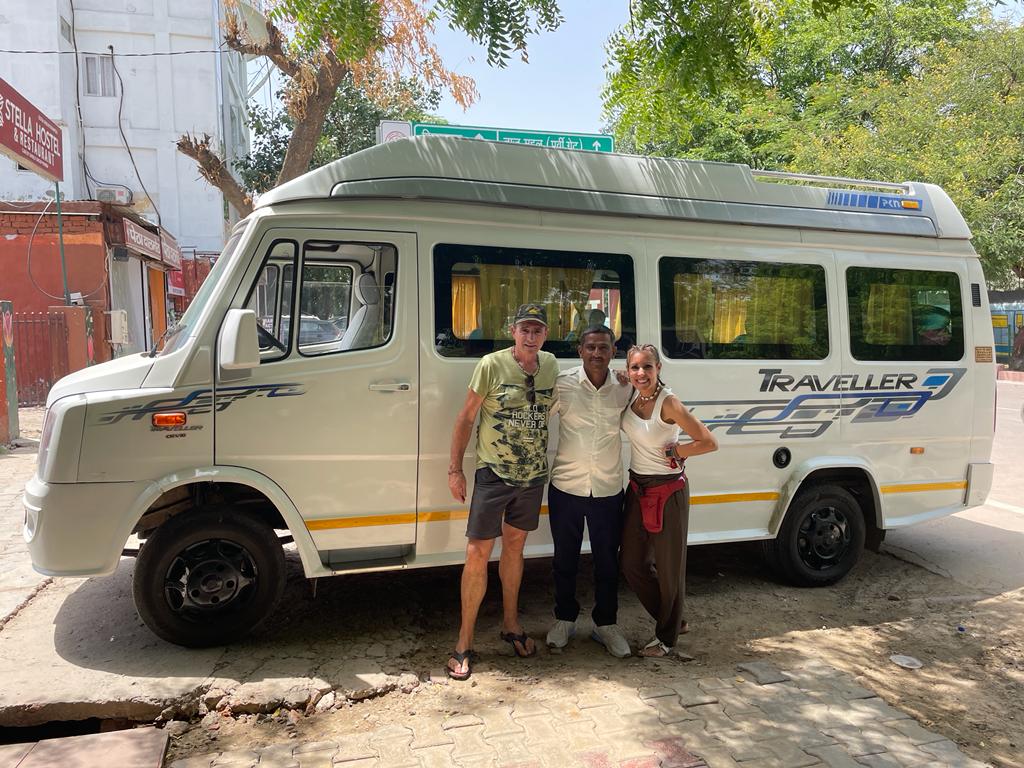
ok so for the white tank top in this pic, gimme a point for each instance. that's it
(648, 438)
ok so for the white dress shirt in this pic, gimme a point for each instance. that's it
(588, 461)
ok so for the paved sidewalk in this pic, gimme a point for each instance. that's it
(18, 582)
(812, 716)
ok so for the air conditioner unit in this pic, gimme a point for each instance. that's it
(118, 326)
(114, 195)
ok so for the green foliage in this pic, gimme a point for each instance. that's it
(350, 126)
(502, 26)
(349, 27)
(958, 124)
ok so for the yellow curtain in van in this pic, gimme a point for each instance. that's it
(781, 310)
(465, 305)
(560, 290)
(695, 308)
(889, 319)
(730, 314)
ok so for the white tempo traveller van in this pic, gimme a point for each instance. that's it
(834, 334)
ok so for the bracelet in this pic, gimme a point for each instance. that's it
(455, 472)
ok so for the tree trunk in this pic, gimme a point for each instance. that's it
(215, 171)
(309, 127)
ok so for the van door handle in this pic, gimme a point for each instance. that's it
(402, 386)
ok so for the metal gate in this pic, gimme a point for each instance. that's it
(40, 354)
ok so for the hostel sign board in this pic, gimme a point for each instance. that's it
(28, 136)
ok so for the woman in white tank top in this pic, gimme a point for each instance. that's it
(658, 497)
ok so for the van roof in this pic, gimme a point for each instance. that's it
(491, 173)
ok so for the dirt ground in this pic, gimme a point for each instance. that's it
(970, 689)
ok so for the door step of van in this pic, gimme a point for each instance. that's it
(359, 566)
(386, 558)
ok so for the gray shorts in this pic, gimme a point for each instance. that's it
(495, 501)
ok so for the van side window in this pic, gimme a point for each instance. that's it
(719, 309)
(271, 299)
(904, 314)
(478, 288)
(344, 302)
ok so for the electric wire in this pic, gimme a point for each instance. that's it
(28, 262)
(127, 146)
(125, 55)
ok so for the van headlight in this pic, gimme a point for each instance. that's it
(61, 440)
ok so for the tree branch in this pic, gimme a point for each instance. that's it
(215, 171)
(237, 39)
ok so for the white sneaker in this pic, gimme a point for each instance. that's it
(560, 633)
(610, 636)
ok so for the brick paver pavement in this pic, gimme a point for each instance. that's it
(18, 582)
(815, 716)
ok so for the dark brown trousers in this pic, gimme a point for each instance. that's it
(661, 584)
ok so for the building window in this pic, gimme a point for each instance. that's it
(478, 288)
(99, 76)
(749, 310)
(904, 314)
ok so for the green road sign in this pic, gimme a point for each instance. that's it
(592, 142)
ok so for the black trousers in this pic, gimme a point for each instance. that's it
(603, 518)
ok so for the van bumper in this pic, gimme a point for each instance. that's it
(77, 529)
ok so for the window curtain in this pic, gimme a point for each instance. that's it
(695, 308)
(730, 314)
(781, 311)
(466, 315)
(560, 290)
(887, 317)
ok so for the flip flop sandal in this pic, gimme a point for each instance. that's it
(511, 638)
(684, 628)
(663, 650)
(466, 656)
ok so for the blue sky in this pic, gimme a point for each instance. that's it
(558, 90)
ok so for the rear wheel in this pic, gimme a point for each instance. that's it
(821, 538)
(208, 578)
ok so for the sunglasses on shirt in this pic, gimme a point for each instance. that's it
(531, 390)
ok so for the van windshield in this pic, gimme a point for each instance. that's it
(178, 333)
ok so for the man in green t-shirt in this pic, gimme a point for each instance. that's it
(513, 391)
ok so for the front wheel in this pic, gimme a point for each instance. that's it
(821, 538)
(208, 577)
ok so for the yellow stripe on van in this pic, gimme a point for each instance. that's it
(957, 485)
(444, 516)
(360, 522)
(729, 498)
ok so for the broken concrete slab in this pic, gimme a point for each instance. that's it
(763, 672)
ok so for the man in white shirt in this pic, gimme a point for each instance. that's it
(586, 486)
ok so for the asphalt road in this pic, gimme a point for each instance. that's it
(980, 547)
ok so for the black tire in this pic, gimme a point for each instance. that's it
(208, 577)
(821, 538)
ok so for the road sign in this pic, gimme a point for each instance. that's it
(28, 136)
(592, 142)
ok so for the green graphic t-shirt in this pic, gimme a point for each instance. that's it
(512, 438)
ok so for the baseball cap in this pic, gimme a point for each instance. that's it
(534, 312)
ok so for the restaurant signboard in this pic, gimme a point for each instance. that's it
(28, 136)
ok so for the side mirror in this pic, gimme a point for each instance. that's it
(239, 346)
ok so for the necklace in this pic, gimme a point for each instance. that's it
(647, 398)
(522, 367)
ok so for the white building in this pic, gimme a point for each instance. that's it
(159, 97)
(125, 79)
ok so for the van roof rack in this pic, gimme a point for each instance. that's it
(830, 180)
